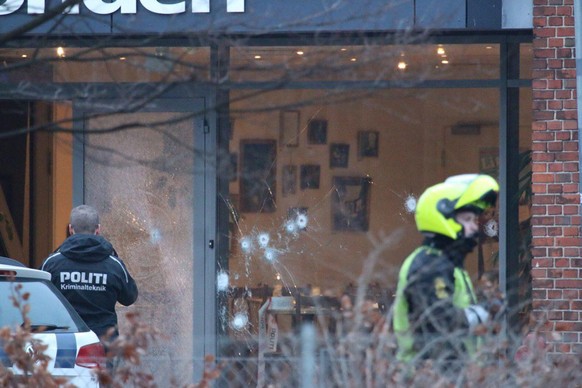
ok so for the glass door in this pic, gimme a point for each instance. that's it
(147, 172)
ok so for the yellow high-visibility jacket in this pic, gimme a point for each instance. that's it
(433, 290)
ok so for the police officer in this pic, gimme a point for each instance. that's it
(87, 271)
(435, 308)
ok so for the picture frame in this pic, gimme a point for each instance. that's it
(368, 144)
(230, 128)
(289, 179)
(351, 203)
(489, 160)
(289, 128)
(258, 176)
(233, 167)
(317, 131)
(310, 174)
(339, 154)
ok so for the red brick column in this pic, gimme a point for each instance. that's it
(557, 241)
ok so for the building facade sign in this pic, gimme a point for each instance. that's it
(245, 16)
(101, 7)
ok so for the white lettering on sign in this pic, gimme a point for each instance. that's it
(235, 6)
(203, 6)
(102, 7)
(10, 6)
(83, 277)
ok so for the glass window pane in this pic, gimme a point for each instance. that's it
(405, 63)
(119, 64)
(141, 180)
(327, 183)
(45, 307)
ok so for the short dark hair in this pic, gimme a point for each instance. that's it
(84, 219)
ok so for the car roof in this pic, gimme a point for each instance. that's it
(23, 272)
(9, 261)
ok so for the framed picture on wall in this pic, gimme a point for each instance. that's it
(350, 206)
(258, 175)
(230, 128)
(310, 176)
(368, 144)
(289, 128)
(489, 160)
(317, 131)
(339, 155)
(289, 179)
(233, 166)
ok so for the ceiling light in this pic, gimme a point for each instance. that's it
(440, 51)
(122, 58)
(343, 49)
(24, 56)
(60, 52)
(402, 65)
(445, 61)
(299, 52)
(257, 57)
(353, 59)
(488, 47)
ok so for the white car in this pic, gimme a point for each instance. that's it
(72, 347)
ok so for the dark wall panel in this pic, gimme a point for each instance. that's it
(271, 16)
(484, 14)
(435, 14)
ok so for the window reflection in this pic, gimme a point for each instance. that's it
(349, 166)
(395, 144)
(106, 64)
(371, 62)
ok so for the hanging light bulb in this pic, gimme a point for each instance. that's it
(402, 65)
(61, 52)
(440, 51)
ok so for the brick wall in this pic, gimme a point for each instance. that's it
(557, 241)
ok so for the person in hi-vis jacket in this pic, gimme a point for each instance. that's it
(435, 308)
(87, 271)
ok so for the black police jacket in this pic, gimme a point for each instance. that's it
(89, 274)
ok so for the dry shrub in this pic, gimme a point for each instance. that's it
(124, 355)
(360, 355)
